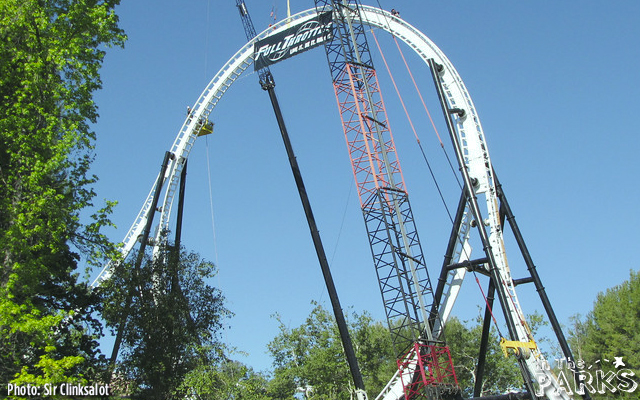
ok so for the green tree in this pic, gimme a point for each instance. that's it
(611, 330)
(310, 358)
(172, 322)
(500, 374)
(225, 380)
(50, 55)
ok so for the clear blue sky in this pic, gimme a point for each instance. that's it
(557, 88)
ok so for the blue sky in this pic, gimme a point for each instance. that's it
(556, 86)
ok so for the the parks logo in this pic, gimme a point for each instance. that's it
(603, 376)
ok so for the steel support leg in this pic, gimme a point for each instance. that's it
(317, 242)
(475, 209)
(140, 257)
(484, 341)
(448, 257)
(555, 325)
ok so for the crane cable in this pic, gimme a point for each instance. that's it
(206, 138)
(486, 301)
(206, 40)
(423, 102)
(213, 221)
(418, 90)
(489, 308)
(424, 156)
(495, 322)
(207, 151)
(427, 110)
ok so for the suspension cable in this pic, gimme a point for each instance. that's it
(426, 109)
(486, 301)
(344, 217)
(495, 322)
(213, 222)
(424, 156)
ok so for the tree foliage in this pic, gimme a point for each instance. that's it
(50, 55)
(500, 374)
(310, 358)
(225, 379)
(611, 330)
(172, 322)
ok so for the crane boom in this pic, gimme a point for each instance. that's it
(264, 73)
(424, 364)
(268, 84)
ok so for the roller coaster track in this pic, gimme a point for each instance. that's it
(474, 154)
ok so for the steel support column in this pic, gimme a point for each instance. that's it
(317, 242)
(555, 325)
(484, 341)
(475, 209)
(143, 245)
(448, 257)
(268, 84)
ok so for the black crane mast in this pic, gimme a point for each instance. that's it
(268, 84)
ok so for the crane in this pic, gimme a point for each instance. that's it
(424, 362)
(268, 84)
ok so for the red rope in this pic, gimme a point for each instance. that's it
(414, 129)
(522, 321)
(435, 129)
(418, 90)
(488, 306)
(395, 86)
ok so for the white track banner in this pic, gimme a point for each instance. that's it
(293, 40)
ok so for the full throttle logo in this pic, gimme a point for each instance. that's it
(292, 41)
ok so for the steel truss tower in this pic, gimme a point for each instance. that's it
(395, 246)
(399, 262)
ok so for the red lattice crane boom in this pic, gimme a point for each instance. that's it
(398, 258)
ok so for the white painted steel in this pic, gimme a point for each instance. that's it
(471, 137)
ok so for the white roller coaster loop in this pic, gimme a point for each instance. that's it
(469, 132)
